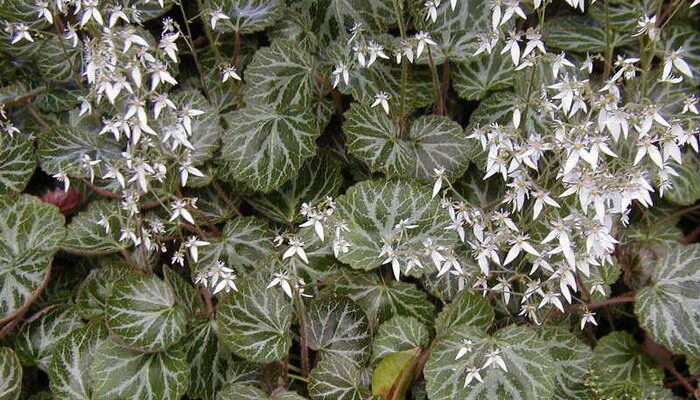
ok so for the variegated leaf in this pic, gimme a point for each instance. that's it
(572, 361)
(255, 322)
(669, 309)
(86, 236)
(686, 186)
(10, 375)
(414, 150)
(96, 289)
(334, 18)
(69, 369)
(240, 391)
(579, 34)
(58, 59)
(398, 334)
(119, 372)
(143, 313)
(246, 16)
(381, 300)
(36, 344)
(675, 37)
(337, 378)
(529, 374)
(17, 163)
(466, 309)
(209, 359)
(318, 177)
(264, 146)
(32, 233)
(337, 326)
(185, 294)
(481, 75)
(372, 210)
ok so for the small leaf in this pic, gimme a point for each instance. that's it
(373, 208)
(264, 147)
(337, 378)
(387, 378)
(397, 335)
(17, 163)
(122, 373)
(669, 309)
(87, 237)
(246, 16)
(337, 326)
(143, 313)
(255, 322)
(530, 369)
(465, 309)
(69, 369)
(572, 361)
(36, 344)
(413, 152)
(10, 375)
(32, 232)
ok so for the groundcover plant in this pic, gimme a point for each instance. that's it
(349, 199)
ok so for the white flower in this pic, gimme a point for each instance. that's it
(179, 209)
(167, 44)
(382, 98)
(340, 246)
(676, 60)
(647, 25)
(340, 71)
(467, 347)
(91, 12)
(513, 46)
(431, 9)
(226, 283)
(230, 72)
(21, 31)
(423, 39)
(391, 258)
(519, 243)
(505, 287)
(104, 222)
(551, 298)
(588, 317)
(587, 64)
(486, 43)
(186, 168)
(44, 11)
(296, 247)
(375, 50)
(559, 61)
(193, 243)
(62, 177)
(315, 219)
(690, 105)
(216, 16)
(494, 357)
(114, 173)
(282, 279)
(117, 13)
(439, 175)
(472, 374)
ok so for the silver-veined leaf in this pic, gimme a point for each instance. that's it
(245, 242)
(674, 37)
(481, 75)
(334, 18)
(264, 146)
(580, 35)
(69, 369)
(10, 375)
(572, 361)
(337, 326)
(399, 334)
(209, 359)
(255, 322)
(32, 232)
(529, 375)
(466, 309)
(620, 368)
(686, 186)
(381, 300)
(185, 294)
(602, 276)
(96, 289)
(372, 209)
(58, 59)
(86, 236)
(119, 372)
(246, 16)
(318, 177)
(143, 313)
(337, 378)
(17, 163)
(669, 309)
(622, 15)
(413, 151)
(240, 391)
(36, 344)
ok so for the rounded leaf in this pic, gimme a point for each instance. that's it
(86, 236)
(338, 326)
(337, 378)
(10, 375)
(17, 163)
(399, 334)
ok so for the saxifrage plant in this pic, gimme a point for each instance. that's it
(349, 199)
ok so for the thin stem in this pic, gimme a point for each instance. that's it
(298, 377)
(236, 46)
(200, 71)
(436, 83)
(207, 300)
(608, 46)
(222, 193)
(130, 260)
(303, 334)
(38, 117)
(15, 317)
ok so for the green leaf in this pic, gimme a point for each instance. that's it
(373, 208)
(674, 37)
(387, 377)
(669, 309)
(318, 177)
(58, 59)
(246, 16)
(604, 275)
(397, 335)
(17, 163)
(466, 309)
(209, 359)
(58, 99)
(382, 300)
(264, 147)
(144, 313)
(36, 344)
(530, 369)
(622, 15)
(245, 242)
(255, 322)
(69, 369)
(85, 236)
(412, 151)
(482, 75)
(185, 294)
(572, 361)
(686, 186)
(580, 35)
(333, 18)
(337, 326)
(621, 369)
(122, 373)
(337, 378)
(95, 291)
(240, 391)
(32, 232)
(10, 375)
